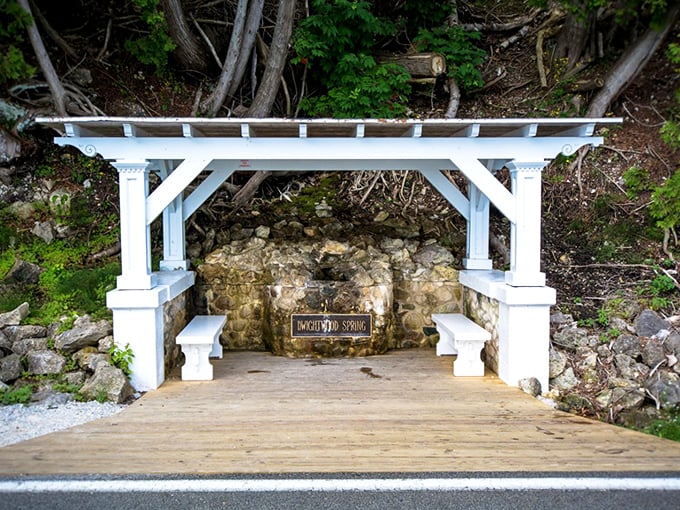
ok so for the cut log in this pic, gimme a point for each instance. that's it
(419, 64)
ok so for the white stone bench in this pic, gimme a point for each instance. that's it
(200, 340)
(460, 336)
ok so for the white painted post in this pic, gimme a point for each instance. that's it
(135, 243)
(525, 231)
(174, 242)
(477, 252)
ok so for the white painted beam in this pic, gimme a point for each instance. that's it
(448, 190)
(480, 176)
(174, 185)
(204, 191)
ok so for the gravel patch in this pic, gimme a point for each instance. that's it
(19, 422)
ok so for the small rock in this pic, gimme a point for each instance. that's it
(652, 353)
(45, 362)
(109, 382)
(621, 398)
(558, 362)
(631, 369)
(561, 319)
(10, 368)
(381, 216)
(565, 381)
(15, 316)
(665, 388)
(5, 344)
(648, 323)
(530, 385)
(105, 344)
(262, 232)
(23, 272)
(570, 338)
(672, 343)
(44, 230)
(82, 357)
(627, 344)
(323, 210)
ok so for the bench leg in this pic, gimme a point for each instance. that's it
(216, 351)
(197, 366)
(469, 361)
(445, 346)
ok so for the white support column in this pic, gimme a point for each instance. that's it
(135, 239)
(477, 252)
(525, 231)
(174, 241)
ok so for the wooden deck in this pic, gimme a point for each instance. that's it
(401, 412)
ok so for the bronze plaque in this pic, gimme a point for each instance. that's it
(330, 325)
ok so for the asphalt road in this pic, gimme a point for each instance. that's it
(349, 491)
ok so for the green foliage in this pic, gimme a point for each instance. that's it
(458, 47)
(17, 396)
(153, 48)
(122, 358)
(363, 88)
(13, 23)
(665, 206)
(336, 42)
(667, 428)
(659, 291)
(636, 180)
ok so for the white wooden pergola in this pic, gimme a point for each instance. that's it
(179, 150)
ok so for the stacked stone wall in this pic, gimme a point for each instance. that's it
(485, 312)
(405, 280)
(175, 315)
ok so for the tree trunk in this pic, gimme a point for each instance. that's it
(269, 85)
(215, 100)
(574, 39)
(189, 52)
(419, 64)
(454, 89)
(252, 25)
(630, 64)
(56, 88)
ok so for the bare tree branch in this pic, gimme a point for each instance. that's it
(56, 88)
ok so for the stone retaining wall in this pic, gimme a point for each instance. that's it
(418, 279)
(484, 311)
(175, 315)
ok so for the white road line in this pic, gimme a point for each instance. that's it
(342, 485)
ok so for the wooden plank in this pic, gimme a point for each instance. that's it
(399, 412)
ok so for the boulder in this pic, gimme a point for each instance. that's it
(10, 368)
(558, 362)
(5, 344)
(45, 362)
(565, 381)
(84, 333)
(26, 345)
(648, 323)
(82, 357)
(530, 385)
(653, 353)
(571, 338)
(23, 272)
(621, 398)
(17, 333)
(664, 386)
(631, 369)
(627, 344)
(15, 316)
(672, 344)
(107, 382)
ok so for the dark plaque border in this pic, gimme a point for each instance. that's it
(335, 325)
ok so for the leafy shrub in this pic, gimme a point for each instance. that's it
(335, 43)
(122, 358)
(153, 48)
(636, 180)
(17, 396)
(462, 56)
(13, 23)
